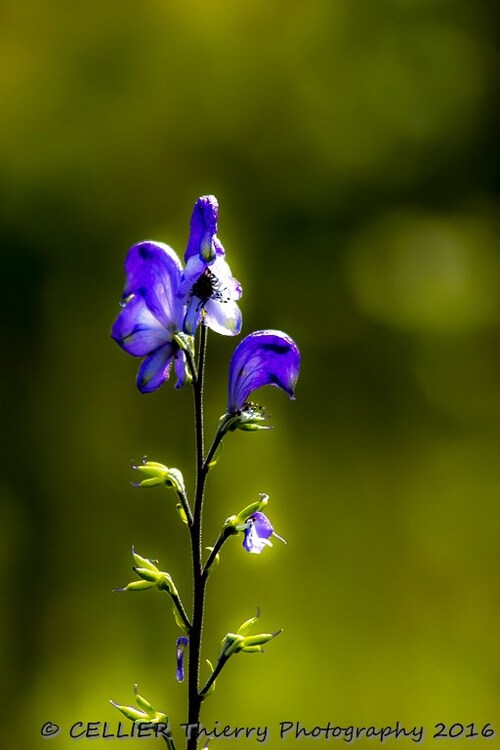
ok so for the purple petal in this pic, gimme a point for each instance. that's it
(155, 369)
(154, 270)
(203, 235)
(137, 330)
(181, 644)
(257, 534)
(223, 317)
(180, 368)
(193, 316)
(262, 358)
(194, 269)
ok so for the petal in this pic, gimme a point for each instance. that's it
(227, 285)
(203, 232)
(194, 269)
(253, 542)
(154, 270)
(193, 316)
(262, 358)
(155, 369)
(223, 317)
(180, 368)
(262, 524)
(181, 644)
(137, 330)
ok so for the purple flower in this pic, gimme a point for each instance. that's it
(152, 314)
(181, 644)
(262, 358)
(208, 287)
(257, 533)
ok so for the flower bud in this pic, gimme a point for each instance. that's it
(151, 576)
(145, 712)
(233, 643)
(157, 474)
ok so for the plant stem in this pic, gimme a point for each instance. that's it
(199, 581)
(182, 612)
(223, 536)
(218, 669)
(185, 506)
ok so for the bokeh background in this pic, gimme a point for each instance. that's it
(353, 147)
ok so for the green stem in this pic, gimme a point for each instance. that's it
(211, 453)
(223, 536)
(218, 669)
(194, 700)
(185, 506)
(182, 612)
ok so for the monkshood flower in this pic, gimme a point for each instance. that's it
(255, 525)
(262, 358)
(208, 286)
(257, 533)
(181, 644)
(150, 323)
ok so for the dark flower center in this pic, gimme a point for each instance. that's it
(207, 286)
(204, 285)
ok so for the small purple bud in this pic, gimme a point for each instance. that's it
(182, 642)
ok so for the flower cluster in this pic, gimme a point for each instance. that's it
(162, 302)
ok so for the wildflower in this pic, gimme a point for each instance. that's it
(208, 287)
(257, 533)
(152, 314)
(262, 358)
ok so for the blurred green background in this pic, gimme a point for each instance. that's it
(354, 152)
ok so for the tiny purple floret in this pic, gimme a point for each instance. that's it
(257, 533)
(262, 358)
(181, 644)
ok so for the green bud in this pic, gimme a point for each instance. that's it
(233, 643)
(151, 576)
(130, 713)
(136, 586)
(259, 640)
(148, 575)
(182, 514)
(248, 624)
(252, 650)
(157, 474)
(230, 644)
(144, 713)
(143, 562)
(239, 522)
(143, 704)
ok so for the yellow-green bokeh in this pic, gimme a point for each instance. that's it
(351, 146)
